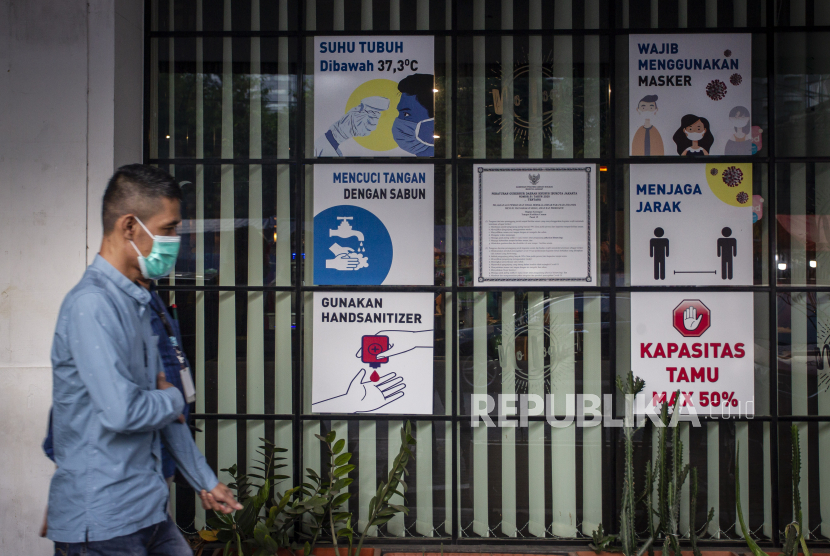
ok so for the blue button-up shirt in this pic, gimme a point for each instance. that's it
(108, 416)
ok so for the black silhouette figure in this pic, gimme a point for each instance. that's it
(727, 248)
(659, 251)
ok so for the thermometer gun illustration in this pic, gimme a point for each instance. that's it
(372, 346)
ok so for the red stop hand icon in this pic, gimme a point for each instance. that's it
(691, 318)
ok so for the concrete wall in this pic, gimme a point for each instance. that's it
(71, 75)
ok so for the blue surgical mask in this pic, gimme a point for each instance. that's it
(408, 135)
(162, 257)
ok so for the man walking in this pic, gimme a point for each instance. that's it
(111, 402)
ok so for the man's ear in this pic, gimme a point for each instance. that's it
(126, 226)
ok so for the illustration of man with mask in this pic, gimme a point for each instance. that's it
(740, 143)
(414, 127)
(647, 140)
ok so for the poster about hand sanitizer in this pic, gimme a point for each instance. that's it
(374, 96)
(374, 224)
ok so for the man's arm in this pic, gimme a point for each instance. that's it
(189, 460)
(97, 343)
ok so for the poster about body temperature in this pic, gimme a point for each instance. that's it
(691, 224)
(373, 96)
(691, 95)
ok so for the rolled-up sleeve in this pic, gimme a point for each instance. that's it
(189, 460)
(101, 358)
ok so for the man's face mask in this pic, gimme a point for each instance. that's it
(162, 257)
(414, 137)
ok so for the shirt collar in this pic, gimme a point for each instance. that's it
(135, 291)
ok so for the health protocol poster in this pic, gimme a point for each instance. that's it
(373, 96)
(691, 224)
(373, 353)
(534, 224)
(691, 95)
(373, 224)
(700, 343)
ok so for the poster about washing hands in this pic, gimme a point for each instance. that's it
(691, 224)
(373, 96)
(373, 353)
(373, 224)
(691, 95)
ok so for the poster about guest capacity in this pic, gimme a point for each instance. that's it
(373, 96)
(691, 95)
(373, 224)
(691, 224)
(700, 343)
(373, 353)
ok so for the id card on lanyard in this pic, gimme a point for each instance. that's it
(184, 371)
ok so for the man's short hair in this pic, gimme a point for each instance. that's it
(648, 98)
(136, 189)
(420, 85)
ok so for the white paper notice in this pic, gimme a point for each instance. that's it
(534, 224)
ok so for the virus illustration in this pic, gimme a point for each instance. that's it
(736, 79)
(727, 53)
(733, 176)
(714, 171)
(742, 197)
(716, 89)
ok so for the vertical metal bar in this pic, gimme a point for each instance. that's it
(456, 513)
(773, 269)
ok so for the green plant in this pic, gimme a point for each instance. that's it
(669, 473)
(692, 510)
(237, 529)
(793, 532)
(324, 496)
(380, 508)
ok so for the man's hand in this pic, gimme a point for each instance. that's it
(162, 384)
(220, 499)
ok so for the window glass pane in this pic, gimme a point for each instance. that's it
(532, 97)
(374, 444)
(802, 78)
(811, 479)
(217, 97)
(683, 14)
(803, 224)
(237, 226)
(377, 15)
(520, 342)
(803, 351)
(239, 345)
(760, 228)
(532, 14)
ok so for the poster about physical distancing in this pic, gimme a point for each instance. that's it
(374, 96)
(691, 95)
(691, 224)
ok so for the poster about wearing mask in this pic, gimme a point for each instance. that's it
(691, 224)
(691, 95)
(373, 96)
(373, 224)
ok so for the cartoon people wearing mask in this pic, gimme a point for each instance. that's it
(414, 127)
(740, 143)
(647, 140)
(693, 137)
(360, 121)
